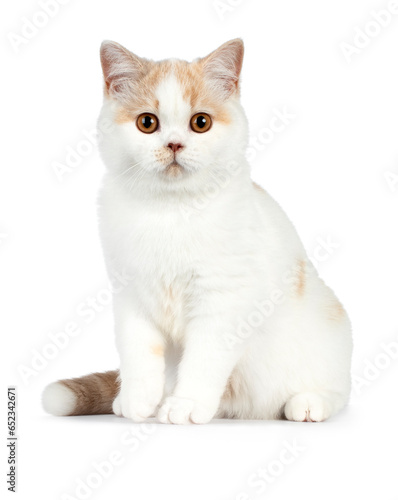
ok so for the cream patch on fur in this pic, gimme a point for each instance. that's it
(257, 186)
(336, 311)
(157, 350)
(235, 387)
(122, 115)
(301, 278)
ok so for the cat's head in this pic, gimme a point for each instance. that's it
(173, 122)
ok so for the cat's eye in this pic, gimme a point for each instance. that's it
(147, 123)
(201, 122)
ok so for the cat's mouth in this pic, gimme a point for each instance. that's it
(174, 169)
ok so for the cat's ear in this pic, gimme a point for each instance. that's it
(121, 68)
(223, 66)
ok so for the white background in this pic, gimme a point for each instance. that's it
(329, 170)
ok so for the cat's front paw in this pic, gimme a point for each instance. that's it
(175, 410)
(138, 400)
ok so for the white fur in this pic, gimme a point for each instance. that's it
(198, 273)
(57, 399)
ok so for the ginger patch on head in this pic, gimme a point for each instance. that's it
(195, 90)
(123, 116)
(205, 83)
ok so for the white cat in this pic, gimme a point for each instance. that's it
(224, 315)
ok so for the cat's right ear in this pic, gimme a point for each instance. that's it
(223, 67)
(121, 68)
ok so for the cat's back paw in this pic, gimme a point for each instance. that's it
(308, 407)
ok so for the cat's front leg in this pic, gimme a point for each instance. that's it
(206, 365)
(141, 349)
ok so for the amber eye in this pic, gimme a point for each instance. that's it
(201, 122)
(147, 123)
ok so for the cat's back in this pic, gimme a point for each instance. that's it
(280, 235)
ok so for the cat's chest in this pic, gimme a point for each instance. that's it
(166, 262)
(161, 238)
(163, 245)
(171, 306)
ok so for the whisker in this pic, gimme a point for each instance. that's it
(137, 175)
(128, 169)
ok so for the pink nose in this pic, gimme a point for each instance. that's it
(174, 147)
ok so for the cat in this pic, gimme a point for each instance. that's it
(224, 316)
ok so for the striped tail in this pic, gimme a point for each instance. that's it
(89, 395)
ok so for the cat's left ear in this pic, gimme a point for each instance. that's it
(223, 67)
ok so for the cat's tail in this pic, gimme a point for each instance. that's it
(89, 395)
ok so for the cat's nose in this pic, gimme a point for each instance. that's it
(174, 147)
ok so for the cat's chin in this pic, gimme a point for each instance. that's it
(174, 170)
